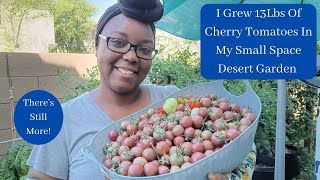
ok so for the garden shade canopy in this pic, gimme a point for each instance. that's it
(182, 17)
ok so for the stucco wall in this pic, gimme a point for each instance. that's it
(31, 71)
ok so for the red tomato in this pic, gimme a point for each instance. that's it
(208, 145)
(137, 151)
(186, 122)
(232, 134)
(124, 167)
(156, 163)
(208, 152)
(149, 154)
(169, 135)
(140, 161)
(203, 112)
(163, 170)
(180, 107)
(178, 140)
(107, 163)
(196, 157)
(194, 104)
(189, 132)
(245, 121)
(135, 170)
(129, 141)
(197, 147)
(113, 135)
(171, 125)
(148, 142)
(191, 105)
(142, 124)
(242, 128)
(178, 130)
(187, 148)
(235, 108)
(161, 111)
(150, 169)
(250, 116)
(126, 156)
(216, 141)
(196, 121)
(162, 148)
(147, 130)
(206, 102)
(168, 142)
(132, 128)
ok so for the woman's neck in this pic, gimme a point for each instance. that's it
(116, 105)
(109, 95)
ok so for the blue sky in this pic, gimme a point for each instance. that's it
(102, 5)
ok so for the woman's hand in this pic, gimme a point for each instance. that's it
(217, 176)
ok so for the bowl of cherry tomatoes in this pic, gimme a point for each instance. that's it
(196, 130)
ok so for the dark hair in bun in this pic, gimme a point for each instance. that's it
(146, 11)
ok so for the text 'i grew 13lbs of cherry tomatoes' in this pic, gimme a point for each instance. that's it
(178, 134)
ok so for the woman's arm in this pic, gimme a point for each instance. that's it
(35, 174)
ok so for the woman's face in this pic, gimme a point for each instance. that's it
(123, 73)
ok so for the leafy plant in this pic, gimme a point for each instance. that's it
(177, 63)
(300, 119)
(77, 86)
(16, 13)
(176, 72)
(13, 166)
(72, 24)
(306, 162)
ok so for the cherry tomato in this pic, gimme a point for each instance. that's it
(161, 111)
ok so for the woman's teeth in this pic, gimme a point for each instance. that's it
(125, 71)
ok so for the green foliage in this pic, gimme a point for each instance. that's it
(300, 118)
(318, 47)
(13, 165)
(301, 115)
(77, 86)
(16, 13)
(177, 72)
(8, 42)
(73, 27)
(177, 64)
(306, 162)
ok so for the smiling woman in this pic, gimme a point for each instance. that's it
(125, 47)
